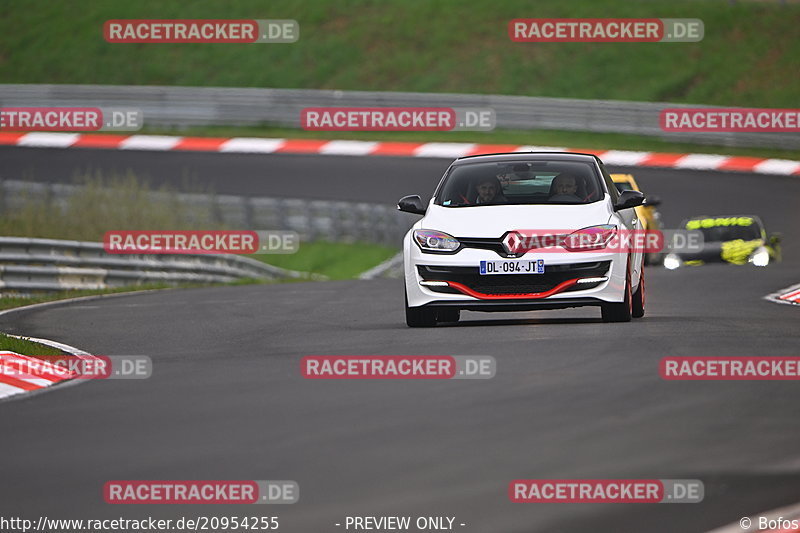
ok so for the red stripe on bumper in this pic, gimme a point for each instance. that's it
(523, 296)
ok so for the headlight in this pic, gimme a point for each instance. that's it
(435, 241)
(672, 261)
(760, 257)
(591, 238)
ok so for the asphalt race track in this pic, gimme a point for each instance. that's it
(573, 397)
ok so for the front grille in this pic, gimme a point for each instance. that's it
(496, 245)
(503, 284)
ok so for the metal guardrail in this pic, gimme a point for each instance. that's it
(30, 265)
(391, 268)
(54, 265)
(313, 220)
(201, 106)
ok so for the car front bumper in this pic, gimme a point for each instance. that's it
(453, 280)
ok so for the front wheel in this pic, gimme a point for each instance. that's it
(420, 317)
(619, 312)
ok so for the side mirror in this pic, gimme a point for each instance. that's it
(411, 204)
(629, 199)
(652, 201)
(775, 238)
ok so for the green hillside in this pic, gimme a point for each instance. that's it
(748, 57)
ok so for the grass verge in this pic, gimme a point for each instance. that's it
(11, 301)
(118, 202)
(26, 347)
(332, 259)
(746, 57)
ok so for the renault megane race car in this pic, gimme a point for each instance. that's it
(520, 232)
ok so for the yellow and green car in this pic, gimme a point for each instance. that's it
(738, 239)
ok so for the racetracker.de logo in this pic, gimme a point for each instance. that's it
(730, 368)
(70, 119)
(606, 491)
(397, 119)
(605, 30)
(398, 367)
(62, 367)
(201, 492)
(181, 242)
(242, 31)
(732, 120)
(604, 239)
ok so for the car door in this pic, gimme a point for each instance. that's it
(628, 219)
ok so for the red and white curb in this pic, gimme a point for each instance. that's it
(254, 145)
(789, 295)
(13, 378)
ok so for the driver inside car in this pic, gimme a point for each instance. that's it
(490, 192)
(564, 189)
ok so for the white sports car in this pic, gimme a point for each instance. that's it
(520, 232)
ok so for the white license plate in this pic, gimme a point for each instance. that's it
(527, 266)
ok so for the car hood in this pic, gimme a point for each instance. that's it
(492, 221)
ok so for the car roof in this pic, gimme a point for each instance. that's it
(526, 156)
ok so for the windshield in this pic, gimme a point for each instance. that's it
(520, 183)
(726, 228)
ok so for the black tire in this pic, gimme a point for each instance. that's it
(637, 306)
(621, 312)
(420, 317)
(448, 314)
